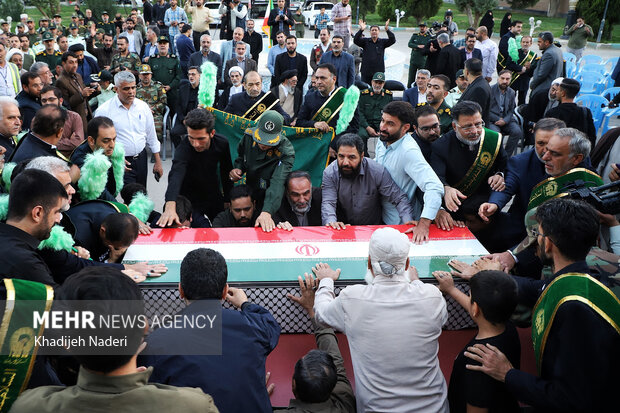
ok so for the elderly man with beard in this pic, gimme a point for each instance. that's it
(355, 188)
(227, 51)
(393, 335)
(235, 74)
(240, 59)
(403, 159)
(205, 54)
(461, 164)
(10, 124)
(242, 211)
(242, 103)
(289, 94)
(301, 205)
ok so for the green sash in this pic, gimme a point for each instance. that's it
(529, 58)
(17, 336)
(552, 187)
(267, 102)
(331, 107)
(571, 287)
(490, 143)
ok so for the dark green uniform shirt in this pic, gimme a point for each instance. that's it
(166, 70)
(370, 105)
(266, 171)
(107, 27)
(417, 58)
(51, 59)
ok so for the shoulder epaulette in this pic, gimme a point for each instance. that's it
(172, 56)
(389, 92)
(365, 91)
(421, 104)
(57, 53)
(41, 52)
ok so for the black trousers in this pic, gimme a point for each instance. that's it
(139, 169)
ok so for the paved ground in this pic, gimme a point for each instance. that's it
(157, 189)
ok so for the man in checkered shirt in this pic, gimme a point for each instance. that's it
(174, 15)
(341, 16)
(320, 21)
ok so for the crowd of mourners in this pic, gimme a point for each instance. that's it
(485, 136)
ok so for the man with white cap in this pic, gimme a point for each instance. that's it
(392, 325)
(235, 74)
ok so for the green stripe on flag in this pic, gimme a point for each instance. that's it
(311, 146)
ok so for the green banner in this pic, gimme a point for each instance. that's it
(311, 145)
(17, 336)
(553, 187)
(490, 142)
(331, 107)
(565, 288)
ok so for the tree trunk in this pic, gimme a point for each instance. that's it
(477, 19)
(470, 17)
(553, 8)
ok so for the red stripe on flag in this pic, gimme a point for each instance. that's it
(310, 234)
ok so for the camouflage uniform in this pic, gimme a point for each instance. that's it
(131, 62)
(155, 96)
(445, 116)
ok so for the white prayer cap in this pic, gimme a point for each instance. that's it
(235, 69)
(388, 251)
(23, 16)
(557, 81)
(12, 52)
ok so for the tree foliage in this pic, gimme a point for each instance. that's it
(475, 9)
(521, 4)
(385, 9)
(97, 6)
(366, 6)
(47, 7)
(592, 12)
(418, 9)
(11, 8)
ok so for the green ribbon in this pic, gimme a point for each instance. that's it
(554, 187)
(567, 288)
(265, 103)
(17, 336)
(331, 107)
(490, 143)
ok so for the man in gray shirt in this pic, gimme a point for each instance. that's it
(354, 186)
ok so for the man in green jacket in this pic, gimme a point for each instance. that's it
(266, 157)
(417, 60)
(166, 70)
(579, 33)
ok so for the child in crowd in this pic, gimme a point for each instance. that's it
(492, 299)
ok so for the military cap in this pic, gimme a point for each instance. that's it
(44, 19)
(52, 26)
(73, 26)
(20, 25)
(103, 76)
(105, 12)
(47, 36)
(267, 131)
(379, 76)
(163, 39)
(422, 24)
(101, 31)
(460, 73)
(145, 69)
(57, 15)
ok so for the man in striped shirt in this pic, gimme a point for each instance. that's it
(341, 16)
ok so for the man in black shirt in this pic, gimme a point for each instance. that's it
(242, 211)
(427, 129)
(289, 61)
(36, 202)
(254, 39)
(194, 172)
(374, 49)
(301, 203)
(574, 116)
(47, 127)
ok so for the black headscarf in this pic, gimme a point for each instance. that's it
(505, 26)
(488, 22)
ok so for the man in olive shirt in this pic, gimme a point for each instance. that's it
(579, 33)
(266, 157)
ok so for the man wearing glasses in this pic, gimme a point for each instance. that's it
(469, 159)
(194, 172)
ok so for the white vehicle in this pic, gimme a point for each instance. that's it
(313, 9)
(213, 7)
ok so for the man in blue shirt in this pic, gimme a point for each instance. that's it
(343, 61)
(275, 50)
(236, 378)
(185, 47)
(398, 152)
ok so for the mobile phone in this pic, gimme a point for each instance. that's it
(157, 176)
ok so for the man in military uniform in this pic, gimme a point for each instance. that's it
(106, 24)
(154, 94)
(166, 70)
(33, 35)
(253, 102)
(418, 59)
(436, 91)
(59, 26)
(124, 59)
(266, 157)
(74, 35)
(49, 55)
(372, 100)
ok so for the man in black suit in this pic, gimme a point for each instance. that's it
(254, 39)
(301, 205)
(280, 20)
(240, 103)
(449, 60)
(291, 60)
(205, 54)
(478, 90)
(470, 51)
(417, 93)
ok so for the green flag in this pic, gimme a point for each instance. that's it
(311, 145)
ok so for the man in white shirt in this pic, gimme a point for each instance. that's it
(392, 325)
(398, 152)
(135, 128)
(489, 52)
